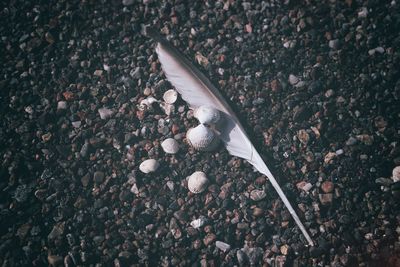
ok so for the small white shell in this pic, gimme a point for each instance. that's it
(149, 165)
(170, 146)
(170, 96)
(202, 138)
(197, 182)
(207, 115)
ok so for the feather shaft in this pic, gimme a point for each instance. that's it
(196, 89)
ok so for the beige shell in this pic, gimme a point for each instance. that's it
(207, 115)
(202, 138)
(197, 182)
(170, 96)
(149, 165)
(170, 146)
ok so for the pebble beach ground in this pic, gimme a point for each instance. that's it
(81, 107)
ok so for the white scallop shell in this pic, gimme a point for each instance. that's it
(197, 182)
(149, 165)
(170, 146)
(207, 115)
(170, 96)
(202, 138)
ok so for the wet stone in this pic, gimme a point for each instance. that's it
(98, 177)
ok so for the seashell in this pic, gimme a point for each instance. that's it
(168, 108)
(149, 165)
(207, 115)
(202, 138)
(170, 96)
(170, 146)
(197, 182)
(147, 102)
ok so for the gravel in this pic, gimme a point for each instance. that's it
(315, 84)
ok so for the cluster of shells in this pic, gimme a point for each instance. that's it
(202, 137)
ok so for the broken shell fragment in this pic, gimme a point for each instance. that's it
(197, 182)
(202, 138)
(147, 102)
(207, 115)
(170, 146)
(149, 165)
(170, 96)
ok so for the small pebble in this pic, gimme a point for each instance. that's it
(222, 246)
(327, 187)
(105, 113)
(257, 195)
(396, 174)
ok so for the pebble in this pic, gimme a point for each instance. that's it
(334, 44)
(105, 113)
(363, 13)
(198, 222)
(98, 73)
(85, 180)
(383, 181)
(61, 105)
(257, 194)
(57, 231)
(304, 186)
(284, 249)
(303, 136)
(325, 199)
(98, 240)
(329, 157)
(209, 239)
(98, 177)
(55, 260)
(396, 174)
(222, 246)
(293, 80)
(327, 187)
(128, 2)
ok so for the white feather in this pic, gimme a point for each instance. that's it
(197, 90)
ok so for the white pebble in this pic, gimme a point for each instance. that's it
(61, 105)
(198, 222)
(396, 174)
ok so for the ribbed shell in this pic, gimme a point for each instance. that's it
(207, 115)
(170, 146)
(202, 138)
(197, 182)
